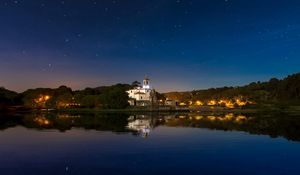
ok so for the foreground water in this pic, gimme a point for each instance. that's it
(149, 144)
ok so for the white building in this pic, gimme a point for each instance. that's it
(142, 96)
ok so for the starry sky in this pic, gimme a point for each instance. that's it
(180, 44)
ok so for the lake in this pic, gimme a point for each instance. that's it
(187, 143)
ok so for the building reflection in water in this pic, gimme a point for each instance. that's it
(144, 124)
(41, 120)
(140, 123)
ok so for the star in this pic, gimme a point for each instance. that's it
(169, 30)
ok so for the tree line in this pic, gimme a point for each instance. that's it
(106, 97)
(274, 91)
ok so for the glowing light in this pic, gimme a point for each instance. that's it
(228, 103)
(212, 103)
(228, 116)
(42, 120)
(212, 118)
(182, 117)
(46, 122)
(240, 118)
(41, 100)
(199, 103)
(146, 86)
(199, 117)
(240, 102)
(182, 104)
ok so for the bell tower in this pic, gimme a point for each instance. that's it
(146, 83)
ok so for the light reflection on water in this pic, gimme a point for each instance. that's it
(51, 143)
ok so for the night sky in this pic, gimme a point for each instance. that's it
(179, 44)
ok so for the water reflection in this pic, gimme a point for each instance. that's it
(142, 125)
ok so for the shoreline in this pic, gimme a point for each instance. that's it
(288, 110)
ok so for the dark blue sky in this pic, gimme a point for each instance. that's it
(180, 44)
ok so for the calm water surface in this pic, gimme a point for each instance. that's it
(149, 144)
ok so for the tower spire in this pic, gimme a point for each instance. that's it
(146, 82)
(146, 77)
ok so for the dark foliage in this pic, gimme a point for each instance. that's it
(8, 98)
(273, 91)
(279, 92)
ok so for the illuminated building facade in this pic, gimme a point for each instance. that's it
(142, 95)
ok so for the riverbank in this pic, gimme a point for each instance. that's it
(202, 109)
(191, 109)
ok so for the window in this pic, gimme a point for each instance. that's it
(141, 97)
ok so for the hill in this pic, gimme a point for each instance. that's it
(274, 91)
